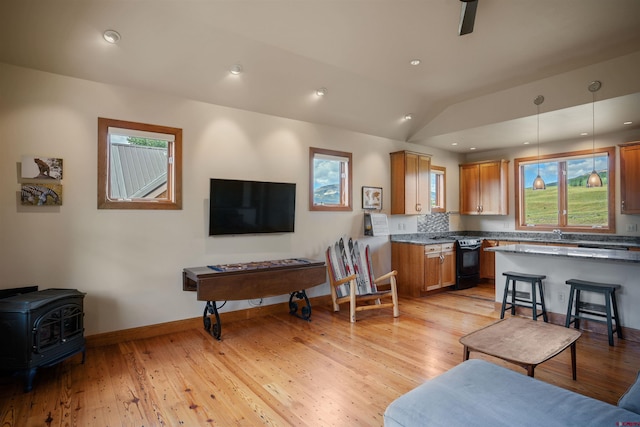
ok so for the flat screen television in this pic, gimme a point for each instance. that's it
(251, 207)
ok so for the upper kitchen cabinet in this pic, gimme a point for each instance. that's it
(410, 183)
(483, 188)
(630, 178)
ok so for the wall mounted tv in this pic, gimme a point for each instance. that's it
(251, 207)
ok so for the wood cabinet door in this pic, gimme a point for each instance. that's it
(408, 261)
(448, 268)
(630, 179)
(410, 186)
(488, 260)
(432, 271)
(469, 190)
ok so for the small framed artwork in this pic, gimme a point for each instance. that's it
(41, 194)
(41, 168)
(372, 198)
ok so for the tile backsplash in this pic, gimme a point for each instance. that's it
(434, 223)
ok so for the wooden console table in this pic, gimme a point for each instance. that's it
(227, 282)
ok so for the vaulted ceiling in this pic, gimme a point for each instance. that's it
(476, 89)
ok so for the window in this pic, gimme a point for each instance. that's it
(438, 189)
(567, 203)
(329, 180)
(139, 166)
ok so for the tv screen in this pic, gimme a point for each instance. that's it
(251, 207)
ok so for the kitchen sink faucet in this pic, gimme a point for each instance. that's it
(558, 232)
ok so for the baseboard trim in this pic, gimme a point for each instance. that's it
(150, 331)
(629, 334)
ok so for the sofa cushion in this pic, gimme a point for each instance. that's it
(630, 400)
(479, 393)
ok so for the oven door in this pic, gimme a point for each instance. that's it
(468, 258)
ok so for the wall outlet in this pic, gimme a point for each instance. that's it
(561, 296)
(632, 227)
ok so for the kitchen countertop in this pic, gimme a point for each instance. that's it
(564, 251)
(599, 241)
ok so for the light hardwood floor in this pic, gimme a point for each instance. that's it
(279, 370)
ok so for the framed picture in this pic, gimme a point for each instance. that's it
(372, 198)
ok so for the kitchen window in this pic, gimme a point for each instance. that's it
(566, 203)
(438, 189)
(329, 180)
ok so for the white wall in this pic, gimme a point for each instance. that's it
(130, 262)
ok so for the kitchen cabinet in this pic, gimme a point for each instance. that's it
(488, 260)
(410, 188)
(630, 178)
(423, 268)
(483, 188)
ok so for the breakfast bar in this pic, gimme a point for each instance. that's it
(561, 263)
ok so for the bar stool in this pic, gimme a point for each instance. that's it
(599, 310)
(533, 303)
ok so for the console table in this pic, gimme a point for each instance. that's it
(242, 281)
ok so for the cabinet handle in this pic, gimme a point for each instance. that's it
(418, 207)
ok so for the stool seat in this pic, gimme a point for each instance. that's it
(609, 310)
(535, 280)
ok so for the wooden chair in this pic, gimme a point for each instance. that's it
(351, 280)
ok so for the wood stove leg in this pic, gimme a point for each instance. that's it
(29, 375)
(214, 329)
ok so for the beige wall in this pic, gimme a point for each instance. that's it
(130, 262)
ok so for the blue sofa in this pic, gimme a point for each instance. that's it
(479, 393)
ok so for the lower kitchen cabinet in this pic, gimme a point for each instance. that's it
(488, 260)
(423, 268)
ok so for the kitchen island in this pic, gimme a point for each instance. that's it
(561, 263)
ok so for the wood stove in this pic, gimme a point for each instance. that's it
(39, 329)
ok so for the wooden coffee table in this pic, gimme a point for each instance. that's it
(524, 342)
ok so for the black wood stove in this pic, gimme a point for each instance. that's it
(39, 329)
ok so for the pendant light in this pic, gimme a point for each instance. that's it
(538, 183)
(594, 179)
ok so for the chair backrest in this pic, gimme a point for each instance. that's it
(351, 258)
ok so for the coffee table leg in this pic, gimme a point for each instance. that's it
(465, 355)
(530, 369)
(573, 360)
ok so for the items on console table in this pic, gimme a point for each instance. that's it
(261, 279)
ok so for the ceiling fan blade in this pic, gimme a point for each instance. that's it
(467, 16)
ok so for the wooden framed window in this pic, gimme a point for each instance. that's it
(329, 180)
(438, 188)
(139, 165)
(566, 203)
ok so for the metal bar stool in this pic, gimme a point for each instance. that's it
(591, 309)
(518, 300)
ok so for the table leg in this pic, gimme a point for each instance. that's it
(530, 369)
(293, 305)
(214, 329)
(465, 355)
(573, 360)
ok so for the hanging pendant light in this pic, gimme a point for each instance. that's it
(538, 183)
(594, 179)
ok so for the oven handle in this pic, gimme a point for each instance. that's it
(470, 248)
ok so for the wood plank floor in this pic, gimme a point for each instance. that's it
(279, 370)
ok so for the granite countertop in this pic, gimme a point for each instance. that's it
(585, 241)
(585, 253)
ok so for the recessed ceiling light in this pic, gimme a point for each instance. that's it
(584, 134)
(627, 123)
(322, 91)
(526, 143)
(112, 36)
(454, 143)
(415, 62)
(408, 116)
(235, 69)
(472, 148)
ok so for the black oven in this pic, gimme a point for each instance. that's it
(467, 262)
